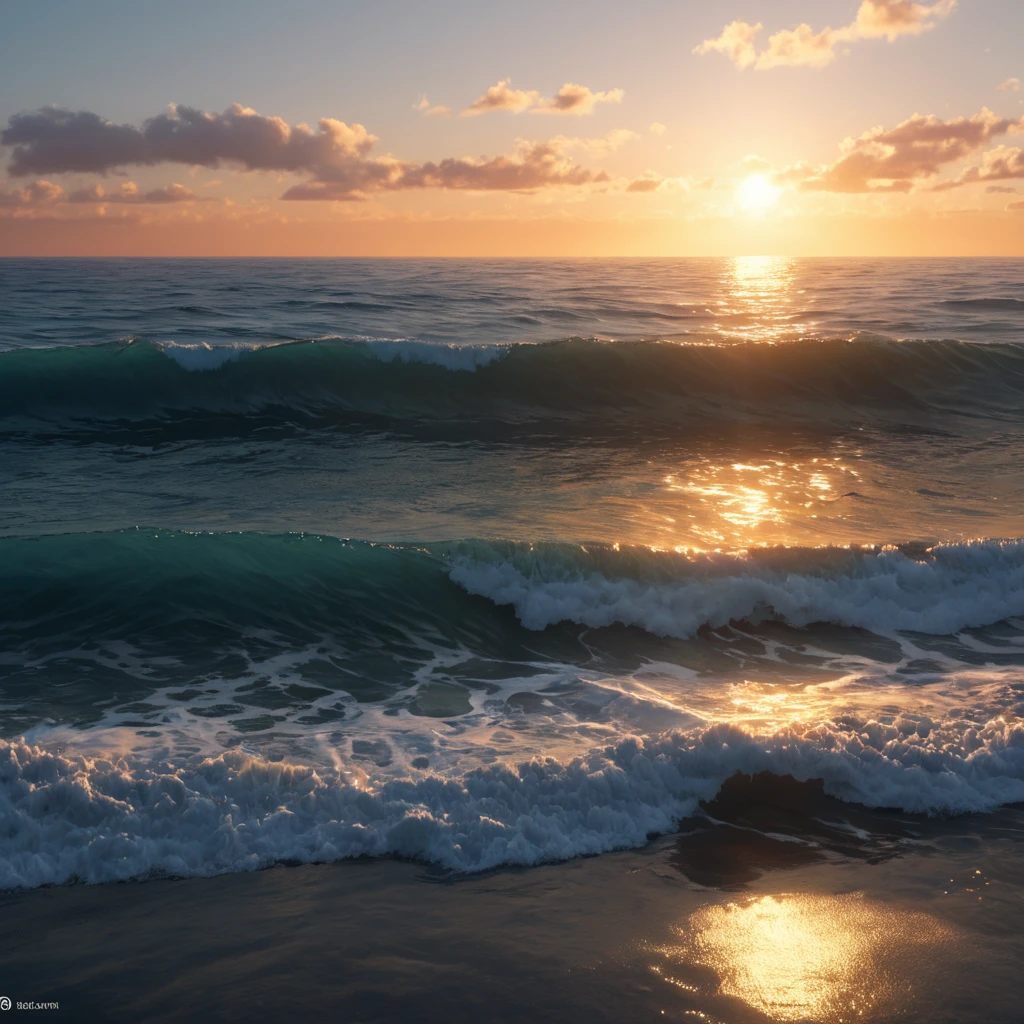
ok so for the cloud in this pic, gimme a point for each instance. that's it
(129, 193)
(597, 147)
(54, 141)
(657, 128)
(36, 193)
(534, 165)
(571, 99)
(894, 18)
(47, 193)
(1010, 85)
(1003, 163)
(423, 105)
(802, 46)
(502, 97)
(649, 182)
(754, 164)
(576, 99)
(895, 160)
(336, 157)
(1002, 188)
(736, 42)
(1016, 206)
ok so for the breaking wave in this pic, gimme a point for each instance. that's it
(73, 809)
(150, 583)
(944, 589)
(95, 819)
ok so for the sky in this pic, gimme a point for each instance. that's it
(314, 128)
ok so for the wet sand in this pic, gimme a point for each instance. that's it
(780, 905)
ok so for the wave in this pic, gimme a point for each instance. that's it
(113, 803)
(168, 585)
(1007, 305)
(607, 388)
(85, 818)
(943, 590)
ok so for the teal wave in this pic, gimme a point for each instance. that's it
(598, 387)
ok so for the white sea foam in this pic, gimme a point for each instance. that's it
(70, 816)
(960, 586)
(200, 355)
(451, 357)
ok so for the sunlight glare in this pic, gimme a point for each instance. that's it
(809, 957)
(756, 193)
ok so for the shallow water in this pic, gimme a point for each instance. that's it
(738, 920)
(491, 563)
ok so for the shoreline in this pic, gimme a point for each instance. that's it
(738, 920)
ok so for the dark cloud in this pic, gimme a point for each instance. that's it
(335, 156)
(54, 141)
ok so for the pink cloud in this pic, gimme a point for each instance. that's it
(897, 159)
(1003, 163)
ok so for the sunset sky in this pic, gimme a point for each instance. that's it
(797, 127)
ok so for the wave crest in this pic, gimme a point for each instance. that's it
(92, 819)
(947, 589)
(604, 387)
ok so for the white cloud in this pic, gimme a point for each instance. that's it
(571, 99)
(427, 109)
(802, 46)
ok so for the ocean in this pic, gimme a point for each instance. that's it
(494, 564)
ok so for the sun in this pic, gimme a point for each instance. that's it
(756, 193)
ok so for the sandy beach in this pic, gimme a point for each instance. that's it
(740, 921)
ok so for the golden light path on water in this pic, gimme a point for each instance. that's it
(760, 299)
(802, 957)
(736, 500)
(770, 499)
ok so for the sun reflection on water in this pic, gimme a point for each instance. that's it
(738, 499)
(759, 301)
(808, 957)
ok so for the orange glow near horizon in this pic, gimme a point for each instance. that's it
(808, 140)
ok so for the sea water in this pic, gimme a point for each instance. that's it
(496, 562)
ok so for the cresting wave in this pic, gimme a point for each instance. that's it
(154, 583)
(604, 386)
(944, 590)
(72, 817)
(138, 808)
